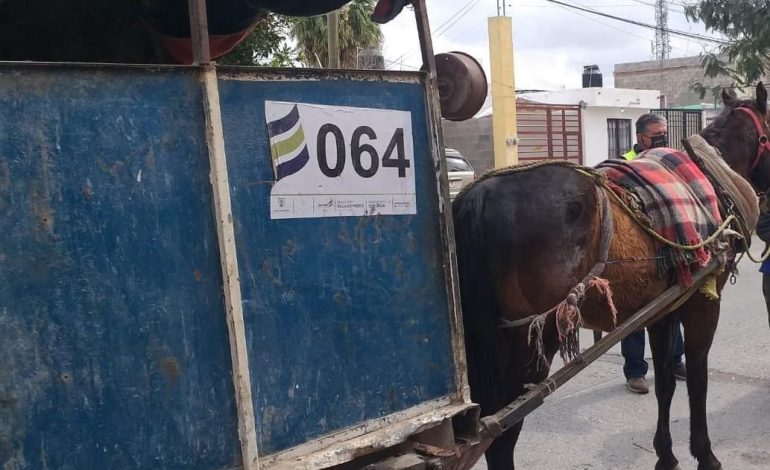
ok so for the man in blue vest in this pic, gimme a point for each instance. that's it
(651, 132)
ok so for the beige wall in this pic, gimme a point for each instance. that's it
(673, 77)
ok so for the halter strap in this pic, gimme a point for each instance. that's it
(763, 141)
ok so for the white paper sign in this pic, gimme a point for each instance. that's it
(335, 161)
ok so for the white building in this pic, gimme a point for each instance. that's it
(608, 116)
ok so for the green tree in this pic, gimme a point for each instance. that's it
(266, 45)
(745, 55)
(356, 29)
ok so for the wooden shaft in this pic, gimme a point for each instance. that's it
(199, 32)
(518, 409)
(333, 31)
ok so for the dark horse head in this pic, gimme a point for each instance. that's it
(741, 134)
(526, 236)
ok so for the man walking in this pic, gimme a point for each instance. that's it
(651, 132)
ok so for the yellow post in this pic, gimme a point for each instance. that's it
(503, 91)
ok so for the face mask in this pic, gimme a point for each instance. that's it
(658, 141)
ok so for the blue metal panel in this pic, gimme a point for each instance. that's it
(347, 318)
(113, 344)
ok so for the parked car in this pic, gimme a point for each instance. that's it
(460, 172)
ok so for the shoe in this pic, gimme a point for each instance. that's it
(680, 372)
(638, 385)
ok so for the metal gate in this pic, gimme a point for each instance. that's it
(682, 123)
(549, 132)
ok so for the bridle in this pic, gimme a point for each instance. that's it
(763, 143)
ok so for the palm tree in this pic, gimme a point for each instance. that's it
(356, 29)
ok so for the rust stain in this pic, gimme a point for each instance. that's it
(268, 271)
(88, 190)
(170, 369)
(114, 169)
(40, 192)
(5, 182)
(290, 248)
(149, 160)
(340, 297)
(398, 267)
(197, 275)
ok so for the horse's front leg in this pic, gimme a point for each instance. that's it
(700, 323)
(662, 345)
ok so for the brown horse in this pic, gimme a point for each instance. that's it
(525, 239)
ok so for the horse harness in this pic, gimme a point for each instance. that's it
(763, 143)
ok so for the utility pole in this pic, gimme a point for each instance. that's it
(333, 22)
(503, 91)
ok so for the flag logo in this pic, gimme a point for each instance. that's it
(288, 146)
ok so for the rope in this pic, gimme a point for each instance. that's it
(568, 315)
(537, 321)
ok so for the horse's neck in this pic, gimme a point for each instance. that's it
(737, 186)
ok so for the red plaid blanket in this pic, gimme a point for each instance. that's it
(678, 200)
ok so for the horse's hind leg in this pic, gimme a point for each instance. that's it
(525, 368)
(699, 319)
(662, 345)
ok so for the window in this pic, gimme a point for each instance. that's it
(619, 137)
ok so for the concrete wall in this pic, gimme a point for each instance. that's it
(595, 138)
(473, 139)
(673, 77)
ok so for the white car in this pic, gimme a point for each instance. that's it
(460, 172)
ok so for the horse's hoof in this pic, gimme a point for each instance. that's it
(710, 466)
(709, 463)
(668, 465)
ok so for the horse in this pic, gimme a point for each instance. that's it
(524, 239)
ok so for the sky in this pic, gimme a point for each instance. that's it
(551, 43)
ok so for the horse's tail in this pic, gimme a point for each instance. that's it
(486, 347)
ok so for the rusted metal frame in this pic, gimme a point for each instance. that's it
(549, 132)
(223, 217)
(517, 410)
(580, 135)
(451, 279)
(199, 32)
(372, 436)
(564, 132)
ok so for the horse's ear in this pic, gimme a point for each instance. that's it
(761, 98)
(727, 98)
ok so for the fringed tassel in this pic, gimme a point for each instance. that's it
(536, 327)
(568, 321)
(603, 286)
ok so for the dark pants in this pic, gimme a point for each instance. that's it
(766, 292)
(632, 347)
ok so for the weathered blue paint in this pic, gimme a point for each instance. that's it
(113, 343)
(347, 318)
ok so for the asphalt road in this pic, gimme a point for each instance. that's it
(593, 422)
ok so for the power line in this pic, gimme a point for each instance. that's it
(644, 25)
(437, 34)
(614, 27)
(467, 5)
(471, 6)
